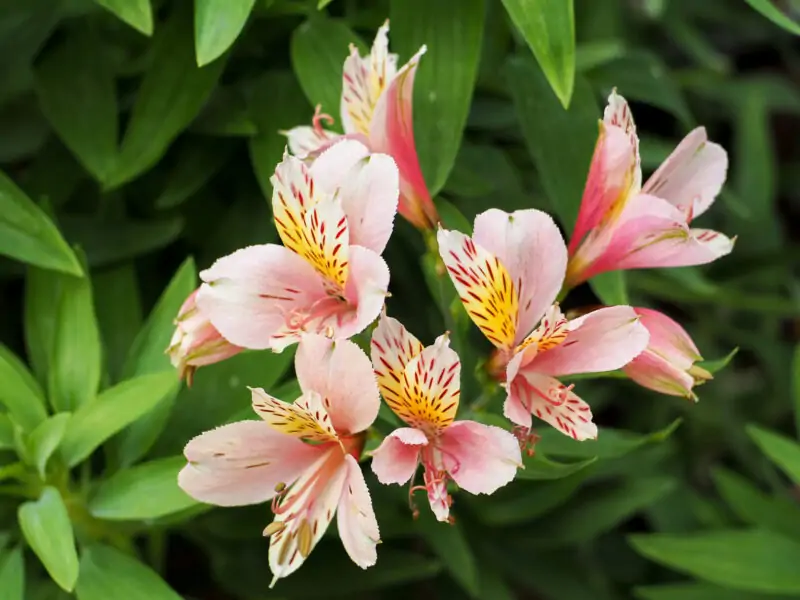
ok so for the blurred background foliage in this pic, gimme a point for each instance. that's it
(151, 167)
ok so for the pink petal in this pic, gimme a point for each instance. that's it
(604, 340)
(342, 375)
(305, 140)
(480, 458)
(515, 411)
(396, 459)
(668, 338)
(438, 498)
(392, 348)
(241, 463)
(529, 245)
(248, 295)
(358, 527)
(692, 175)
(366, 290)
(659, 374)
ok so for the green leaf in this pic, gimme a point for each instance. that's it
(453, 33)
(42, 292)
(540, 467)
(77, 352)
(782, 451)
(318, 50)
(28, 235)
(95, 422)
(48, 531)
(548, 27)
(752, 560)
(754, 507)
(610, 288)
(713, 366)
(450, 544)
(107, 574)
(171, 94)
(451, 217)
(12, 575)
(699, 591)
(136, 13)
(20, 393)
(119, 313)
(44, 440)
(796, 388)
(146, 491)
(560, 142)
(774, 14)
(7, 433)
(217, 24)
(76, 90)
(196, 165)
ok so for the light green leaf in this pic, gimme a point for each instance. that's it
(774, 14)
(48, 531)
(136, 13)
(95, 422)
(782, 451)
(12, 575)
(7, 433)
(28, 235)
(146, 491)
(44, 440)
(453, 33)
(713, 366)
(217, 24)
(107, 574)
(752, 560)
(450, 544)
(75, 88)
(610, 288)
(540, 467)
(548, 27)
(20, 393)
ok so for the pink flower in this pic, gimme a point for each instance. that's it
(508, 276)
(376, 108)
(335, 219)
(422, 387)
(667, 365)
(196, 342)
(303, 456)
(622, 225)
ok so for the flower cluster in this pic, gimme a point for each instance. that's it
(334, 203)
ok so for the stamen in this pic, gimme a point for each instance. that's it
(273, 528)
(320, 116)
(527, 439)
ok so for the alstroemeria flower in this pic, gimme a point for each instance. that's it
(376, 108)
(334, 219)
(624, 225)
(303, 456)
(422, 387)
(508, 276)
(667, 365)
(196, 342)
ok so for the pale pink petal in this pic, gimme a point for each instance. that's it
(692, 175)
(438, 498)
(668, 338)
(604, 340)
(392, 348)
(305, 140)
(241, 463)
(480, 458)
(249, 295)
(306, 418)
(530, 246)
(367, 288)
(659, 374)
(341, 374)
(515, 411)
(358, 527)
(396, 459)
(618, 113)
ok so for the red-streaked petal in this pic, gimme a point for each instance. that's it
(358, 527)
(306, 418)
(392, 348)
(396, 459)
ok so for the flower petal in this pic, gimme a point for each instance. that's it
(241, 463)
(531, 248)
(659, 374)
(480, 458)
(604, 340)
(306, 418)
(392, 348)
(305, 140)
(358, 527)
(366, 290)
(438, 497)
(487, 291)
(668, 338)
(342, 375)
(396, 459)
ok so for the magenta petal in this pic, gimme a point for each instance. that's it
(395, 460)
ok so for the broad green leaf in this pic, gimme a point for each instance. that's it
(451, 217)
(754, 507)
(594, 54)
(20, 393)
(713, 366)
(44, 440)
(610, 288)
(48, 531)
(453, 33)
(119, 313)
(27, 234)
(171, 94)
(42, 293)
(95, 422)
(774, 14)
(548, 27)
(108, 574)
(699, 591)
(217, 24)
(77, 352)
(146, 491)
(450, 544)
(136, 13)
(561, 142)
(75, 87)
(196, 165)
(782, 451)
(7, 433)
(540, 467)
(12, 575)
(225, 115)
(752, 560)
(318, 50)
